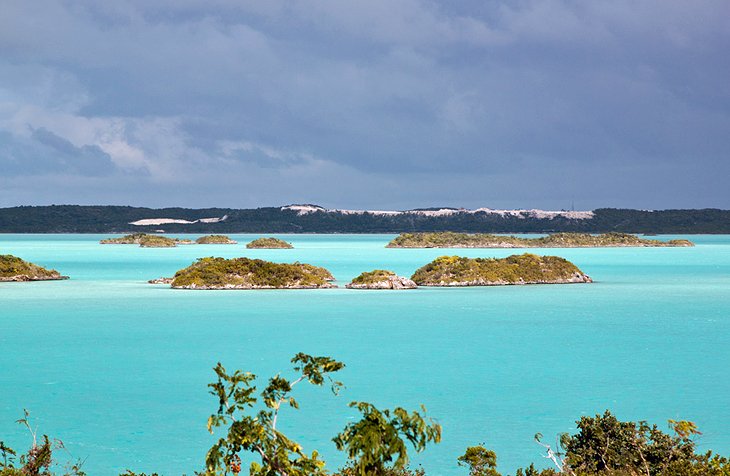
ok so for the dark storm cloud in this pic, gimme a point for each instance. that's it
(528, 103)
(84, 160)
(43, 152)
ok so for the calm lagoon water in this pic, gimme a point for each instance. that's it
(118, 368)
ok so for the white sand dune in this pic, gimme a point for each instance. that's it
(533, 213)
(165, 221)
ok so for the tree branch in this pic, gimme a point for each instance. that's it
(281, 400)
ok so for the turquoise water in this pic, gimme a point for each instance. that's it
(118, 368)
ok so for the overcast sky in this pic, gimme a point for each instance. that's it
(381, 104)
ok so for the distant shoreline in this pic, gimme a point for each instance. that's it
(333, 233)
(310, 219)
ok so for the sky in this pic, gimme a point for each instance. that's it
(377, 104)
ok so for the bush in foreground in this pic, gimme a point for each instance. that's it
(378, 443)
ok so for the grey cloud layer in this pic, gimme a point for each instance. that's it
(409, 102)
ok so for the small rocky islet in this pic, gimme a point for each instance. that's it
(154, 241)
(450, 239)
(381, 279)
(247, 273)
(269, 243)
(13, 268)
(146, 240)
(215, 240)
(526, 268)
(445, 271)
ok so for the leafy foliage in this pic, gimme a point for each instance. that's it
(480, 461)
(116, 219)
(39, 458)
(246, 273)
(8, 455)
(257, 433)
(531, 471)
(269, 243)
(604, 443)
(374, 441)
(145, 241)
(606, 446)
(133, 239)
(154, 241)
(215, 240)
(380, 279)
(371, 443)
(322, 273)
(516, 269)
(351, 471)
(13, 268)
(377, 444)
(448, 239)
(373, 276)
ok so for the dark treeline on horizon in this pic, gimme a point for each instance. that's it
(116, 219)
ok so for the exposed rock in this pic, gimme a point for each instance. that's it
(381, 279)
(449, 239)
(270, 243)
(146, 241)
(13, 268)
(154, 241)
(215, 240)
(160, 281)
(516, 269)
(132, 239)
(246, 273)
